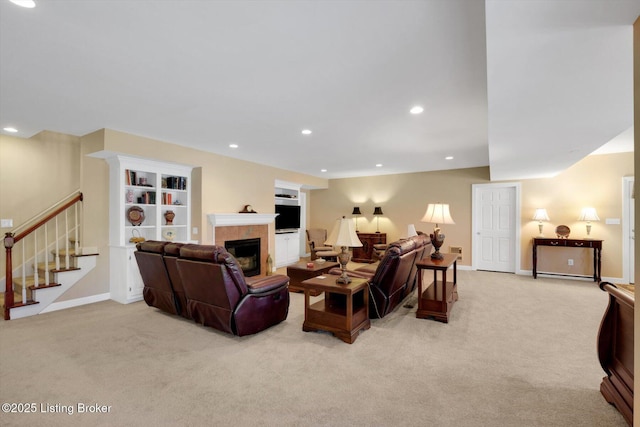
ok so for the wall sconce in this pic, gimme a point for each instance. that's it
(540, 215)
(437, 213)
(588, 214)
(356, 211)
(377, 212)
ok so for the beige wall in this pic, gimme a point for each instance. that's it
(36, 173)
(403, 199)
(594, 181)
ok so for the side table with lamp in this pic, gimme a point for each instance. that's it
(345, 309)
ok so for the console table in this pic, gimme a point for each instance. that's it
(596, 245)
(365, 253)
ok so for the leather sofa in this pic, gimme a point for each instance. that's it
(218, 295)
(394, 277)
(206, 284)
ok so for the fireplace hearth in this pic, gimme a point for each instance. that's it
(247, 253)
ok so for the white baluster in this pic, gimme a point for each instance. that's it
(35, 258)
(77, 226)
(24, 271)
(66, 240)
(57, 256)
(46, 255)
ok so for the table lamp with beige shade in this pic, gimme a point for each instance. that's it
(437, 213)
(343, 235)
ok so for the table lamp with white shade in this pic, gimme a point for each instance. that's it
(343, 235)
(437, 213)
(588, 214)
(540, 215)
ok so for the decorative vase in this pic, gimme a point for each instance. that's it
(168, 216)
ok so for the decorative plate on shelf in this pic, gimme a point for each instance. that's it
(135, 215)
(169, 234)
(562, 231)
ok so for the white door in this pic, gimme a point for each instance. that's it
(495, 221)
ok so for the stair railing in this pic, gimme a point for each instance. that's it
(30, 228)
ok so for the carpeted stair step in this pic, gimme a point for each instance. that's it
(30, 284)
(63, 252)
(17, 300)
(52, 267)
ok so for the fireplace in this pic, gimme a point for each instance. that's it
(247, 253)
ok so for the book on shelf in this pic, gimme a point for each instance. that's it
(175, 182)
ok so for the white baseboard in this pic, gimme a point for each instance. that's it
(76, 302)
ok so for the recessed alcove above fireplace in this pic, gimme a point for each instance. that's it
(233, 227)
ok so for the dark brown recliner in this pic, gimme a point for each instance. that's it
(158, 291)
(171, 254)
(218, 294)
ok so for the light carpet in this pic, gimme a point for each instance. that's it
(516, 352)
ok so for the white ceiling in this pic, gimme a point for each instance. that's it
(526, 87)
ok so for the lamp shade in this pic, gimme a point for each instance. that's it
(356, 211)
(541, 215)
(588, 214)
(437, 213)
(377, 211)
(343, 234)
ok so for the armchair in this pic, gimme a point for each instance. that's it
(315, 239)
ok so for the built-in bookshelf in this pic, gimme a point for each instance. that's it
(149, 200)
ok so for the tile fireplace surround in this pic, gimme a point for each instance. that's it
(229, 226)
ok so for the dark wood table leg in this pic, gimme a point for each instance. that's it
(535, 260)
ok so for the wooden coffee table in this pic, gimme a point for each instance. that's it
(299, 272)
(344, 311)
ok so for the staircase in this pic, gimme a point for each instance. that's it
(37, 282)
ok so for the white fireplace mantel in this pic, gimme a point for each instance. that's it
(229, 219)
(232, 219)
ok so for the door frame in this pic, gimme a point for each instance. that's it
(475, 218)
(628, 183)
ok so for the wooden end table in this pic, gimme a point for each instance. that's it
(299, 272)
(438, 298)
(344, 311)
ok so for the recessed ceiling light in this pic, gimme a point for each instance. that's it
(12, 130)
(306, 132)
(233, 145)
(416, 110)
(449, 158)
(323, 170)
(24, 3)
(379, 165)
